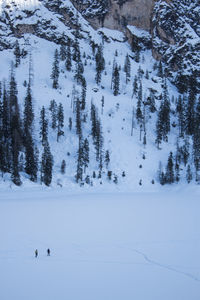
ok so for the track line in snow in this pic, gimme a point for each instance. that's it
(155, 263)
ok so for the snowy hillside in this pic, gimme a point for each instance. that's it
(112, 116)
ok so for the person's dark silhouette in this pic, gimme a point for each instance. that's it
(36, 253)
(48, 252)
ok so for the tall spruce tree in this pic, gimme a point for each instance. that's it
(196, 137)
(6, 131)
(31, 167)
(46, 165)
(139, 115)
(83, 93)
(17, 54)
(116, 81)
(80, 164)
(78, 117)
(68, 62)
(60, 125)
(127, 68)
(181, 117)
(55, 70)
(170, 169)
(63, 52)
(15, 128)
(190, 110)
(43, 126)
(54, 111)
(100, 64)
(86, 153)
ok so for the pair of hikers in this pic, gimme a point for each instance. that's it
(48, 252)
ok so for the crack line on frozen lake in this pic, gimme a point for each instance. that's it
(165, 266)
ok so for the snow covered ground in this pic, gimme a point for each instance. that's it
(117, 246)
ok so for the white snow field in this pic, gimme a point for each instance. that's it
(104, 246)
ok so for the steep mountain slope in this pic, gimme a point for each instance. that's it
(126, 98)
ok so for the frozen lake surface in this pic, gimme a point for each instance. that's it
(118, 246)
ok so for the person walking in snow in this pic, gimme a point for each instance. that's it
(48, 252)
(36, 253)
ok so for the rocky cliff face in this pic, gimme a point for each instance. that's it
(176, 39)
(117, 14)
(174, 27)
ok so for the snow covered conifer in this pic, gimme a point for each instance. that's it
(83, 93)
(116, 81)
(100, 64)
(55, 70)
(63, 52)
(170, 169)
(54, 111)
(139, 115)
(190, 110)
(86, 150)
(15, 128)
(127, 68)
(107, 158)
(60, 118)
(63, 167)
(68, 62)
(78, 117)
(17, 54)
(31, 167)
(46, 165)
(189, 174)
(43, 126)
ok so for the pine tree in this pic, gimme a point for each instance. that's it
(189, 174)
(63, 52)
(46, 165)
(163, 121)
(151, 102)
(161, 175)
(15, 128)
(78, 118)
(116, 81)
(127, 68)
(160, 70)
(6, 132)
(139, 115)
(83, 93)
(181, 119)
(63, 167)
(79, 169)
(2, 155)
(170, 169)
(107, 158)
(70, 123)
(54, 112)
(196, 137)
(31, 167)
(190, 111)
(93, 120)
(135, 86)
(98, 142)
(165, 112)
(55, 70)
(17, 54)
(43, 126)
(159, 129)
(60, 119)
(68, 62)
(86, 151)
(100, 64)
